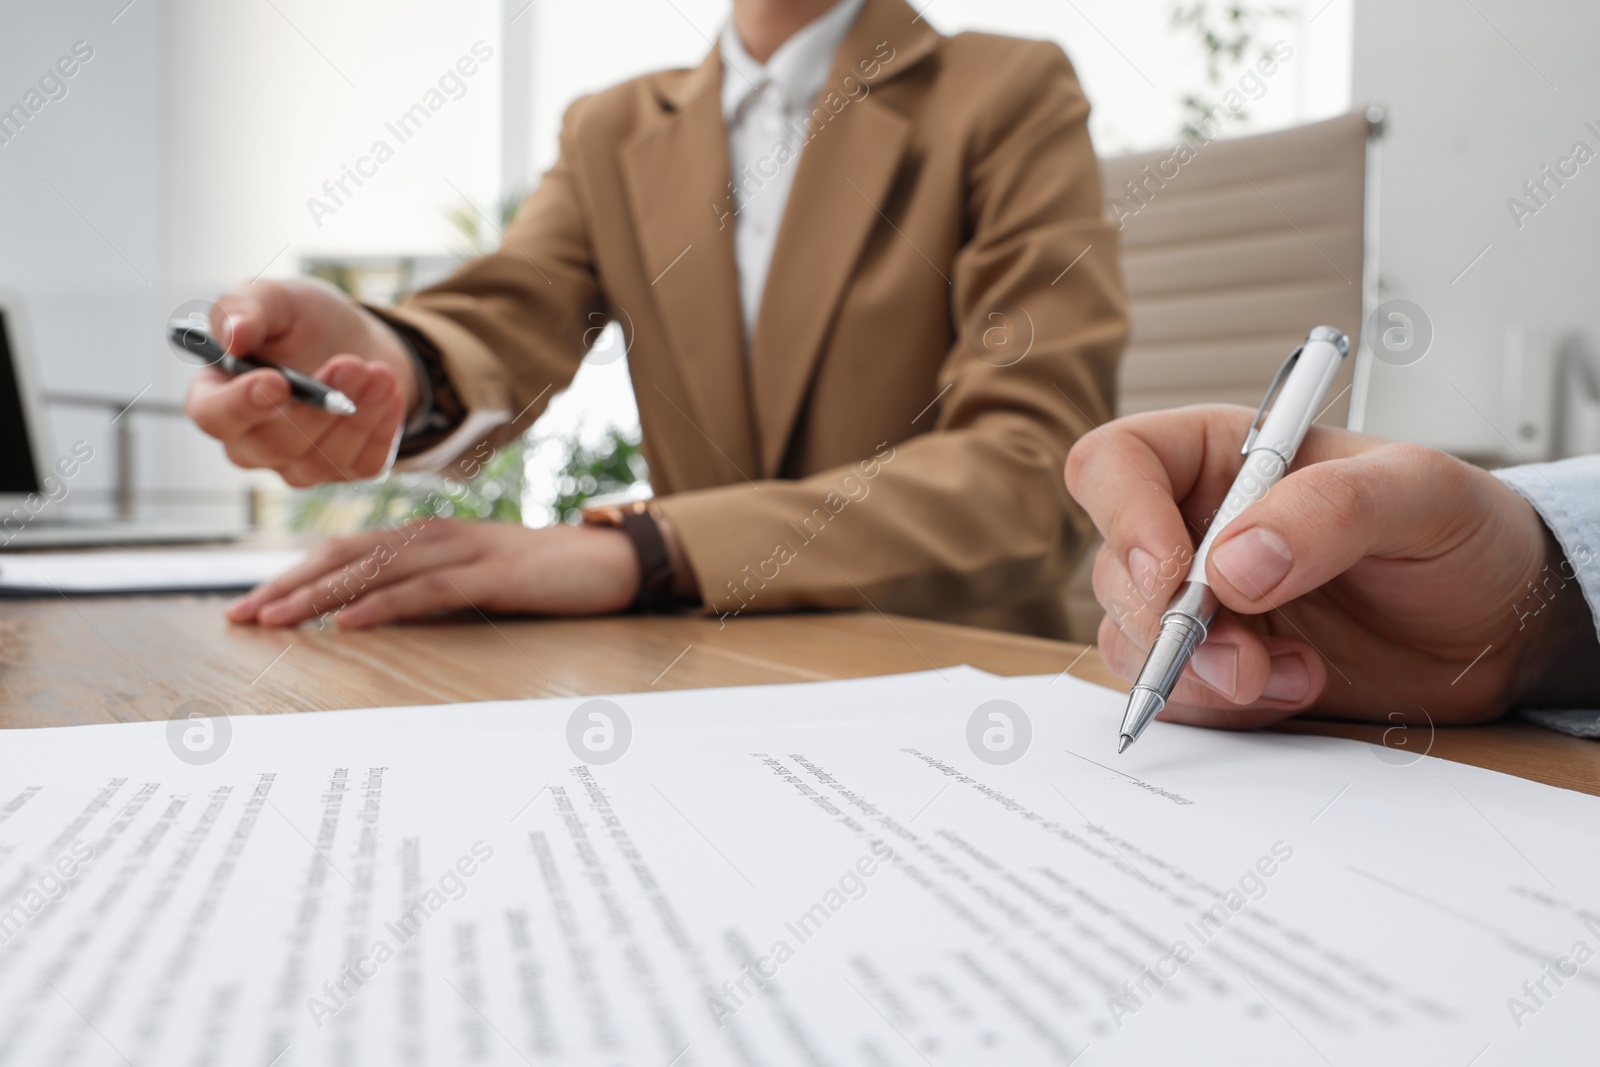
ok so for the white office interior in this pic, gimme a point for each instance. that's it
(190, 148)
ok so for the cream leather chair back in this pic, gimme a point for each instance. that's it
(1230, 255)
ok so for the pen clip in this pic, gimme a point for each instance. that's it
(1272, 392)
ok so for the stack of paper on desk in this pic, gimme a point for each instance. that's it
(50, 573)
(841, 872)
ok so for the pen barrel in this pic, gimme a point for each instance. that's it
(1183, 627)
(301, 385)
(1263, 468)
(1295, 401)
(1272, 448)
(306, 389)
(1304, 392)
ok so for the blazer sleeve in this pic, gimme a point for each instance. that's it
(512, 327)
(973, 513)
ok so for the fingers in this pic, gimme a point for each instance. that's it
(299, 322)
(1138, 475)
(1392, 501)
(346, 586)
(442, 565)
(253, 414)
(1271, 677)
(1135, 603)
(344, 572)
(380, 449)
(1237, 678)
(1131, 492)
(330, 556)
(316, 329)
(228, 408)
(348, 448)
(429, 593)
(1233, 660)
(252, 316)
(289, 435)
(261, 426)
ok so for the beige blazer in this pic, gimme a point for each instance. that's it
(942, 320)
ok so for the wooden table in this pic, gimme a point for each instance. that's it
(95, 660)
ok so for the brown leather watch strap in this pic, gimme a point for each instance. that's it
(638, 522)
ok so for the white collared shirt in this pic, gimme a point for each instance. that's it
(766, 108)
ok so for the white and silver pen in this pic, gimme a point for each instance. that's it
(1295, 397)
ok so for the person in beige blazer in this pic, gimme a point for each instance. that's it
(941, 321)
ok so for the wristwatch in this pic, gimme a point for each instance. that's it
(638, 521)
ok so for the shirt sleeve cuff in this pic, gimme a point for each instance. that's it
(446, 421)
(1567, 497)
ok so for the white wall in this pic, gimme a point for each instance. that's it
(278, 98)
(1481, 96)
(274, 100)
(82, 225)
(182, 159)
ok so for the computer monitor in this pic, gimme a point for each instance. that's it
(25, 453)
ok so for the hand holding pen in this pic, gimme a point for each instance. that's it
(1376, 581)
(308, 328)
(192, 341)
(1281, 424)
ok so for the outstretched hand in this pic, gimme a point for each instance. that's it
(314, 328)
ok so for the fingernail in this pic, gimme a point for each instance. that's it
(1289, 680)
(374, 389)
(259, 397)
(1218, 667)
(275, 612)
(233, 323)
(1142, 568)
(1254, 561)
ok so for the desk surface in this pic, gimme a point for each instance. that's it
(96, 660)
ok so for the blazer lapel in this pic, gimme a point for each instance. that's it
(676, 175)
(846, 174)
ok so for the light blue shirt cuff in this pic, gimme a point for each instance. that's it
(1567, 497)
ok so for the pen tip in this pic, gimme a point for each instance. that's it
(1122, 744)
(339, 404)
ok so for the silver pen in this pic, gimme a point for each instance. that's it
(1295, 397)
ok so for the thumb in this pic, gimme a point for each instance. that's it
(251, 317)
(1394, 501)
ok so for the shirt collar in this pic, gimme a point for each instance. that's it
(799, 68)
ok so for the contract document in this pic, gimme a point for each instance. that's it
(941, 868)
